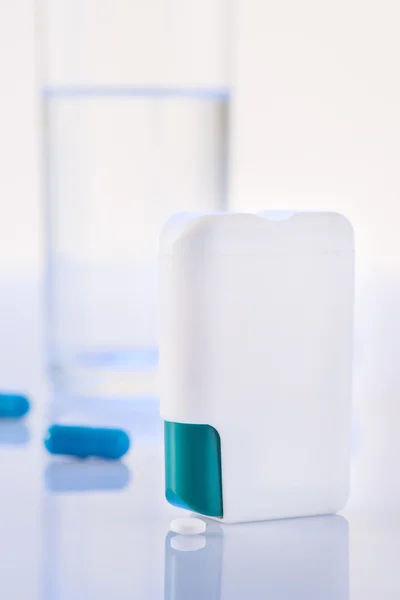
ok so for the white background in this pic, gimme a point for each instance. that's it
(316, 119)
(20, 204)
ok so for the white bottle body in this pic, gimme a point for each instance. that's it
(256, 340)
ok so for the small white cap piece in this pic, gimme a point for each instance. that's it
(188, 526)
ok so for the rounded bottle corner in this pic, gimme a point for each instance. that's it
(174, 229)
(342, 225)
(344, 222)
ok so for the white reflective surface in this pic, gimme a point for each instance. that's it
(72, 530)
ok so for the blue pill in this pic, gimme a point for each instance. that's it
(13, 406)
(83, 441)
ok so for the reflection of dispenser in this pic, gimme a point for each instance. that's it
(296, 559)
(193, 570)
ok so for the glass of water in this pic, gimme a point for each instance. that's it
(136, 111)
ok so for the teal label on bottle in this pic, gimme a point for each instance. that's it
(193, 478)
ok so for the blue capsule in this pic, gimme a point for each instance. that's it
(83, 441)
(13, 406)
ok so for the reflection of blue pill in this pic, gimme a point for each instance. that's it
(89, 476)
(83, 441)
(13, 433)
(13, 406)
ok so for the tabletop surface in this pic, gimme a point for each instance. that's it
(96, 530)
